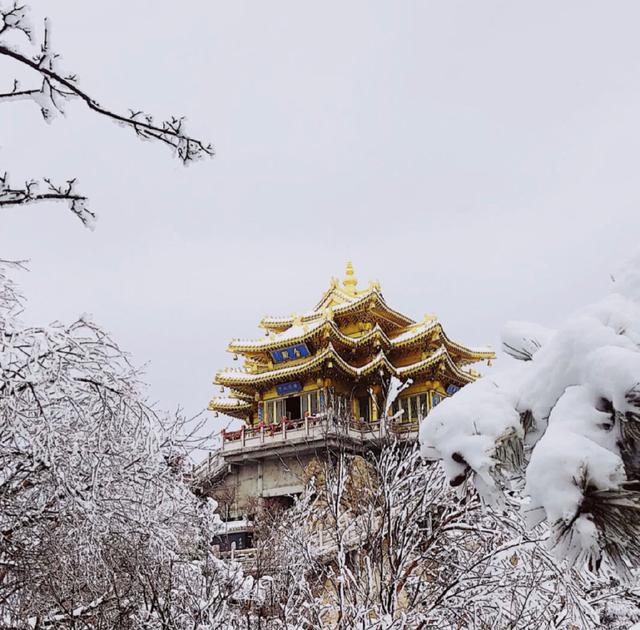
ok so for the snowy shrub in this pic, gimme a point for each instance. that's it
(98, 525)
(562, 426)
(383, 542)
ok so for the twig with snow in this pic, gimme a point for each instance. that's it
(55, 90)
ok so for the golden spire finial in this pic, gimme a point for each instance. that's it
(350, 281)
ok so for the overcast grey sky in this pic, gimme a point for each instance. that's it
(478, 158)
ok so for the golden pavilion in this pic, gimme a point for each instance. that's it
(342, 356)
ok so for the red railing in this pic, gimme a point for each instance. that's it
(264, 429)
(270, 428)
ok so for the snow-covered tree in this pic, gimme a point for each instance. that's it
(561, 428)
(51, 90)
(383, 541)
(98, 525)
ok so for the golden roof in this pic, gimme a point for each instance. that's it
(360, 322)
(340, 301)
(326, 329)
(246, 381)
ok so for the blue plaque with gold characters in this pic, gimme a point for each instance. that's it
(289, 388)
(299, 351)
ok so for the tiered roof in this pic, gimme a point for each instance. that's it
(351, 333)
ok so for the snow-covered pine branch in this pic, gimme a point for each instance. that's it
(562, 426)
(56, 88)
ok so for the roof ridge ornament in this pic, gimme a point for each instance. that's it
(350, 281)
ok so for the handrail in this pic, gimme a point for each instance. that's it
(212, 463)
(308, 424)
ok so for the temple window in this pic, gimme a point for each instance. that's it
(363, 406)
(238, 540)
(423, 405)
(344, 407)
(414, 407)
(340, 405)
(310, 403)
(293, 407)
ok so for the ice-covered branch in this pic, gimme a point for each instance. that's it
(57, 87)
(31, 192)
(94, 490)
(15, 18)
(384, 537)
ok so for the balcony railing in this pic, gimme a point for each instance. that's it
(315, 427)
(210, 467)
(310, 429)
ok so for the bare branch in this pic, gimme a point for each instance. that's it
(30, 192)
(55, 90)
(15, 18)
